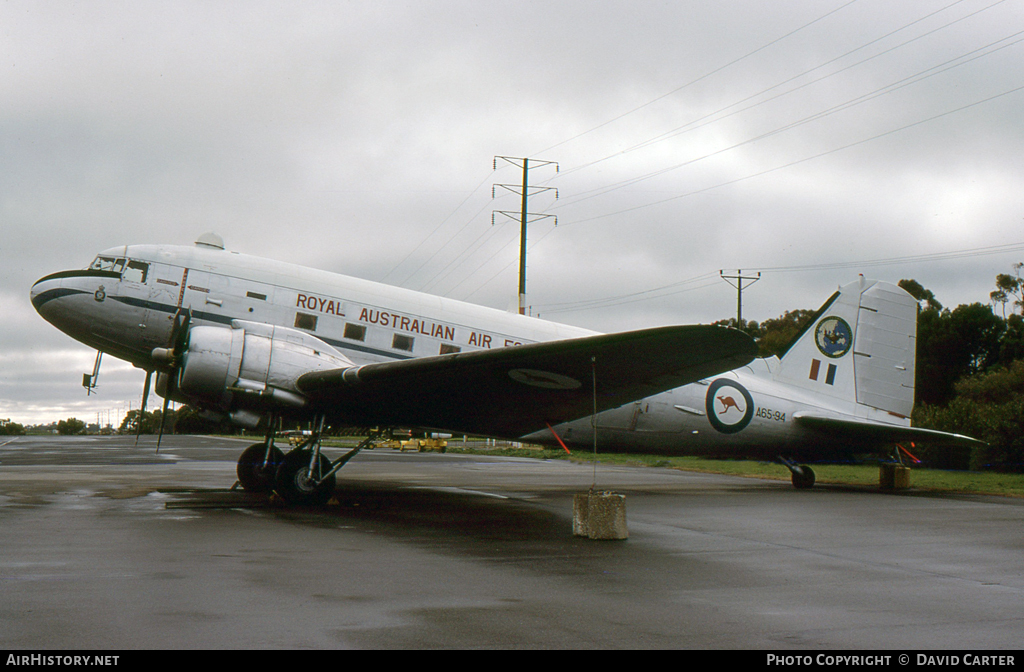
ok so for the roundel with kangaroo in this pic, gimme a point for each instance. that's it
(729, 406)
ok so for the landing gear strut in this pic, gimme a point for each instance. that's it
(803, 476)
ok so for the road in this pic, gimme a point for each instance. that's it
(108, 545)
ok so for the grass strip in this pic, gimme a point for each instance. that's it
(968, 482)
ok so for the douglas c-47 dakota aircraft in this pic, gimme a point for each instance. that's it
(244, 339)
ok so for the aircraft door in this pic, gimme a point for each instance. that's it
(659, 415)
(654, 414)
(164, 292)
(623, 417)
(195, 292)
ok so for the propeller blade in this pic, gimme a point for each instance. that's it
(177, 344)
(142, 411)
(175, 328)
(163, 418)
(180, 335)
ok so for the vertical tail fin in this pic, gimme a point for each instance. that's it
(859, 349)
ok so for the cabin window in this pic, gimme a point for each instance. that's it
(136, 272)
(402, 342)
(448, 349)
(356, 332)
(305, 321)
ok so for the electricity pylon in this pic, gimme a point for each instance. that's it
(524, 215)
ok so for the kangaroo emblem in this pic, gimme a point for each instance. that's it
(727, 403)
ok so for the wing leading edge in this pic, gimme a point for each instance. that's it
(517, 390)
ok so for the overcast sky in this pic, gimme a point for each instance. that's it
(809, 140)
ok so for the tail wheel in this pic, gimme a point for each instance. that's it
(803, 477)
(296, 485)
(255, 472)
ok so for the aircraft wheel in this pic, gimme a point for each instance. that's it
(293, 482)
(803, 477)
(253, 476)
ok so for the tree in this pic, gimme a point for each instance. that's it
(988, 406)
(70, 426)
(775, 335)
(150, 422)
(916, 290)
(954, 344)
(1010, 287)
(190, 421)
(11, 428)
(1011, 346)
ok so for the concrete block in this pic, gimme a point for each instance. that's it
(599, 515)
(893, 477)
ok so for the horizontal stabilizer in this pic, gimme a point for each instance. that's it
(517, 390)
(869, 430)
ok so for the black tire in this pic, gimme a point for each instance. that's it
(803, 477)
(252, 474)
(293, 485)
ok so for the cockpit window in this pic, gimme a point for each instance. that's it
(136, 271)
(102, 263)
(133, 271)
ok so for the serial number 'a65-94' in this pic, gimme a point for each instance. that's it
(769, 414)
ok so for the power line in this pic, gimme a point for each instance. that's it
(436, 229)
(695, 124)
(889, 88)
(452, 265)
(803, 160)
(701, 78)
(910, 259)
(507, 266)
(679, 287)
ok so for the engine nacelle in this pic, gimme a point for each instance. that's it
(251, 367)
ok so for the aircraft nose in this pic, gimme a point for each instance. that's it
(47, 294)
(44, 291)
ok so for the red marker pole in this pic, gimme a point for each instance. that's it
(558, 438)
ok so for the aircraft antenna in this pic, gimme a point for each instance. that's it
(523, 215)
(89, 381)
(740, 279)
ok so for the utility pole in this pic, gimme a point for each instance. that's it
(524, 214)
(739, 278)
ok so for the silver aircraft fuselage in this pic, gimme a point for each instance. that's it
(125, 304)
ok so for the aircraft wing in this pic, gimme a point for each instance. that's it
(516, 390)
(868, 430)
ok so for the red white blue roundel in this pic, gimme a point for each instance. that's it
(729, 406)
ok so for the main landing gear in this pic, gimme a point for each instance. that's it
(258, 465)
(803, 476)
(301, 476)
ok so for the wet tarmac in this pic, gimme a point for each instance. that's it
(110, 546)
